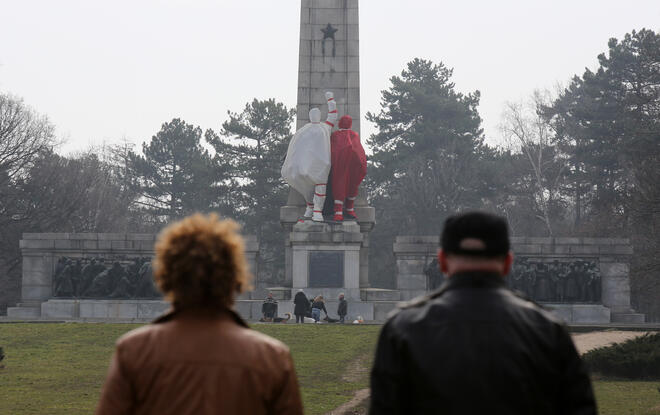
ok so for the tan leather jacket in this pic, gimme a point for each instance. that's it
(200, 363)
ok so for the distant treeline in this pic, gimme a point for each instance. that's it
(583, 160)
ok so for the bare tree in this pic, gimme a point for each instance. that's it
(23, 135)
(528, 133)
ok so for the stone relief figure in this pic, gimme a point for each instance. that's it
(146, 288)
(594, 283)
(89, 272)
(434, 276)
(558, 282)
(307, 164)
(542, 288)
(92, 278)
(101, 285)
(122, 284)
(64, 280)
(572, 289)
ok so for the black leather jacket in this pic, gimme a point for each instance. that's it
(474, 347)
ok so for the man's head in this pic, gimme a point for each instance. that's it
(341, 296)
(200, 262)
(475, 241)
(270, 295)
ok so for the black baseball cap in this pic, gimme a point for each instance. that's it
(477, 234)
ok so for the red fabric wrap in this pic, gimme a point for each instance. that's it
(349, 162)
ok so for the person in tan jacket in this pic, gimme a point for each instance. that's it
(200, 358)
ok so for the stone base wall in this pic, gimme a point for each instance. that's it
(138, 310)
(41, 252)
(146, 310)
(581, 313)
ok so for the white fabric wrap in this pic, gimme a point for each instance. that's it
(332, 116)
(307, 160)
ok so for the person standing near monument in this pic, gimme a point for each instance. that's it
(342, 308)
(349, 167)
(301, 306)
(269, 308)
(317, 306)
(200, 358)
(474, 347)
(307, 164)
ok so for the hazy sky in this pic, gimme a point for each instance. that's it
(103, 70)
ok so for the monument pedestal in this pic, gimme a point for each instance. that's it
(326, 259)
(293, 212)
(329, 259)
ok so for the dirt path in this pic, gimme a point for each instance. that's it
(589, 341)
(350, 407)
(355, 371)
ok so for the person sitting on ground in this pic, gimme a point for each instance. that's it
(317, 306)
(342, 308)
(475, 347)
(201, 357)
(269, 308)
(300, 306)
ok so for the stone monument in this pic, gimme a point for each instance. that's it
(332, 257)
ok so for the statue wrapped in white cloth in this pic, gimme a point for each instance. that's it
(307, 163)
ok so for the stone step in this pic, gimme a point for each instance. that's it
(24, 312)
(631, 318)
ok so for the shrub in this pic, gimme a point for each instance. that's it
(2, 356)
(634, 359)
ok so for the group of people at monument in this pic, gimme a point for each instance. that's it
(305, 308)
(96, 278)
(471, 347)
(317, 156)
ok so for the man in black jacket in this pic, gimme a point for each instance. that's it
(342, 308)
(301, 306)
(474, 347)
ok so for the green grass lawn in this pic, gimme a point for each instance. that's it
(59, 368)
(627, 398)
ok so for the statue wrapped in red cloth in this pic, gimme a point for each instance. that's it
(349, 167)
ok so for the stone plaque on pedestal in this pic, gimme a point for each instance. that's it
(326, 269)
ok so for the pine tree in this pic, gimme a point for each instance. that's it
(428, 155)
(607, 122)
(174, 175)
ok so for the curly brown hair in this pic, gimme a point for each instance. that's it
(200, 262)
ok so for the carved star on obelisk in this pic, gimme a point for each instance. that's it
(329, 33)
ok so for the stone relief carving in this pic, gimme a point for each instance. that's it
(434, 276)
(329, 33)
(100, 278)
(557, 281)
(553, 281)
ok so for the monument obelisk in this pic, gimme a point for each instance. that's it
(329, 58)
(329, 61)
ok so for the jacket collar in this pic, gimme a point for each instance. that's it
(172, 313)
